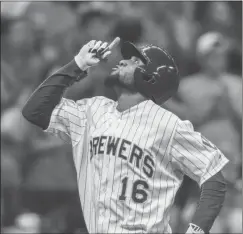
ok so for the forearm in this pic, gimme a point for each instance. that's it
(211, 201)
(42, 102)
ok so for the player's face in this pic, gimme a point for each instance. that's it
(123, 73)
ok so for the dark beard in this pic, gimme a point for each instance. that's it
(113, 81)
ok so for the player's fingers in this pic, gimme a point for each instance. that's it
(106, 54)
(92, 43)
(96, 46)
(114, 43)
(102, 47)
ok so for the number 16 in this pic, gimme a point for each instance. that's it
(135, 191)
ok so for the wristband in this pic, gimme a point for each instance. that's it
(80, 63)
(194, 229)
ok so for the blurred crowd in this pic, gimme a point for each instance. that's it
(39, 192)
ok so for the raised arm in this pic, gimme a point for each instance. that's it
(39, 107)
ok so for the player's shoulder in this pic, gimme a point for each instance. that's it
(170, 115)
(96, 101)
(183, 130)
(180, 125)
(184, 125)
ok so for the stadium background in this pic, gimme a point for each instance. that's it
(39, 192)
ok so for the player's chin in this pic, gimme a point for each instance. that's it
(112, 79)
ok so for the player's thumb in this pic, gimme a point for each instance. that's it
(93, 61)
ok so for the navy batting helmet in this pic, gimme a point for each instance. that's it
(158, 79)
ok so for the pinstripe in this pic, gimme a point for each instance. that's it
(71, 131)
(102, 175)
(100, 108)
(182, 146)
(141, 115)
(100, 181)
(192, 155)
(100, 184)
(122, 166)
(160, 122)
(184, 166)
(68, 120)
(165, 195)
(145, 126)
(189, 132)
(173, 197)
(194, 147)
(160, 164)
(174, 188)
(186, 159)
(85, 181)
(97, 108)
(115, 167)
(86, 172)
(69, 112)
(121, 163)
(55, 129)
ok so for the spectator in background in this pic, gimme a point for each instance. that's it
(97, 19)
(8, 85)
(212, 92)
(25, 223)
(183, 30)
(219, 16)
(224, 17)
(15, 141)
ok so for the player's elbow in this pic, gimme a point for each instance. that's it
(26, 112)
(34, 116)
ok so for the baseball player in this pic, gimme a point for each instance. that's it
(131, 154)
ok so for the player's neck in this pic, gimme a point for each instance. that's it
(128, 100)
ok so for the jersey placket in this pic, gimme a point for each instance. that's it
(106, 190)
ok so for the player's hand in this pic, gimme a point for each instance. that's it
(91, 54)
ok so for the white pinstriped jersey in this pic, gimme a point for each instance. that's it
(130, 164)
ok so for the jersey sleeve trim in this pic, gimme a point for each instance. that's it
(61, 134)
(214, 171)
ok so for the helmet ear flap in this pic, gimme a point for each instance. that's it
(161, 84)
(150, 78)
(143, 80)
